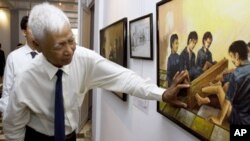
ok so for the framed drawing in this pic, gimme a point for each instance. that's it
(113, 45)
(141, 37)
(180, 34)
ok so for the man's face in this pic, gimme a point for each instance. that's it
(192, 43)
(207, 43)
(59, 47)
(235, 59)
(175, 45)
(29, 37)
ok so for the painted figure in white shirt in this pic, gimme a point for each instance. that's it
(16, 61)
(32, 99)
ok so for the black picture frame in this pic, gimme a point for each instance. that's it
(141, 37)
(113, 45)
(187, 118)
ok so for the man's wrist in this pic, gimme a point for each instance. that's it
(165, 97)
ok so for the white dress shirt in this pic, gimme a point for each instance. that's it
(32, 99)
(16, 61)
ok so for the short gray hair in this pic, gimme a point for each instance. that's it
(46, 18)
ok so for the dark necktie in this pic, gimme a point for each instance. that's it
(59, 109)
(33, 54)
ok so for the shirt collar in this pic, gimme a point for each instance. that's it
(204, 50)
(246, 62)
(51, 69)
(186, 50)
(27, 49)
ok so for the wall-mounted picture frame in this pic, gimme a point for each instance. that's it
(113, 45)
(141, 37)
(180, 29)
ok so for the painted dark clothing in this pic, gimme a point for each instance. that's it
(188, 63)
(173, 66)
(203, 56)
(239, 95)
(227, 78)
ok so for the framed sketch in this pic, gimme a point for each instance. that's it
(113, 45)
(179, 30)
(141, 37)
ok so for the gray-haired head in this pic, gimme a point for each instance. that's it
(45, 18)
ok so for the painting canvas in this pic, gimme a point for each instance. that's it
(199, 44)
(141, 33)
(113, 45)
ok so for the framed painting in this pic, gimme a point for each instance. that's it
(199, 45)
(113, 45)
(141, 37)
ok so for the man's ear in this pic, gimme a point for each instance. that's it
(24, 33)
(189, 41)
(237, 57)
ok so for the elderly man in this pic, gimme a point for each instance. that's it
(42, 105)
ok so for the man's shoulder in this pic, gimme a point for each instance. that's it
(84, 55)
(183, 51)
(30, 68)
(81, 49)
(201, 50)
(242, 71)
(17, 51)
(209, 52)
(174, 56)
(83, 52)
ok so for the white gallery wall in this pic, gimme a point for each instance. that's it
(113, 119)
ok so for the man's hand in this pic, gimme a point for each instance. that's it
(180, 81)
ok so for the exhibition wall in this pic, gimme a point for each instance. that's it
(134, 119)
